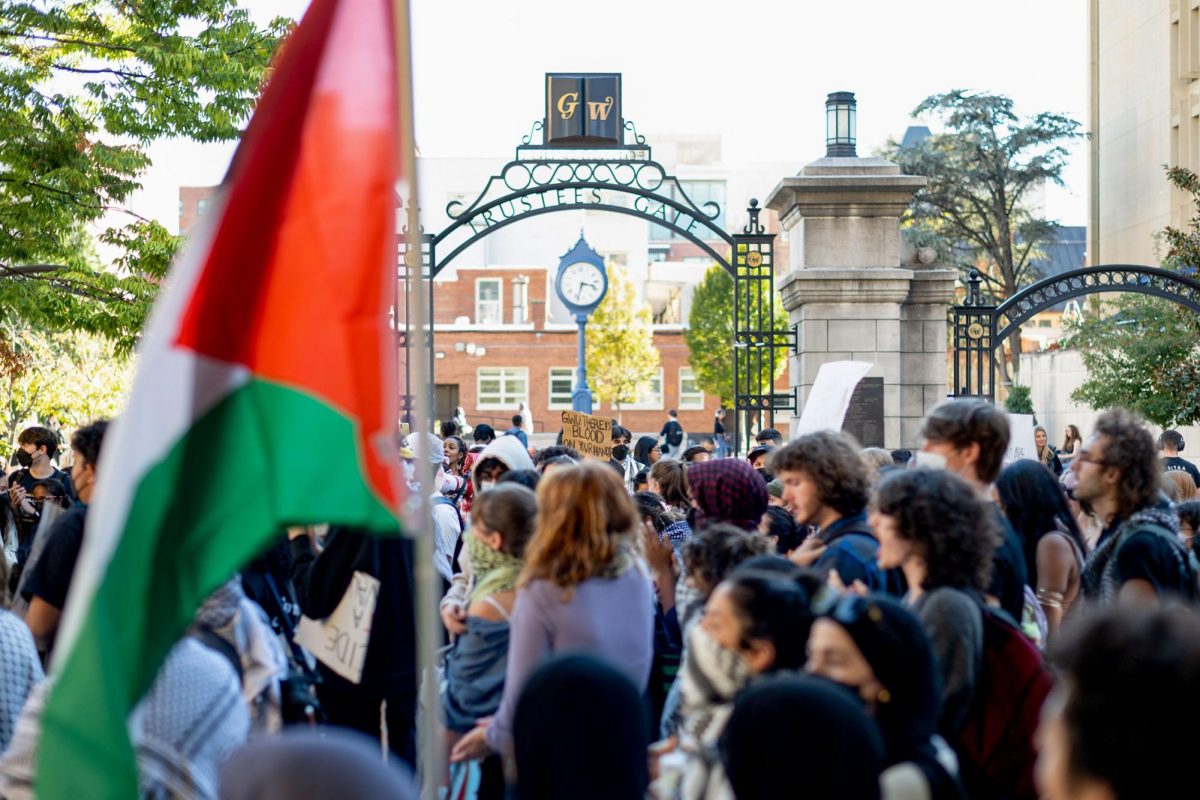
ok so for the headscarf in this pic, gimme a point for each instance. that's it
(894, 642)
(801, 737)
(604, 757)
(303, 764)
(726, 490)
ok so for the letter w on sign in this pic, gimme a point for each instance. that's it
(340, 641)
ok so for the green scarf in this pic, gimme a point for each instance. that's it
(495, 570)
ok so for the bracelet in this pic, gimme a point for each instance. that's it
(1050, 599)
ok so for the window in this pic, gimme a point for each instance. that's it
(502, 388)
(562, 384)
(652, 399)
(489, 308)
(690, 395)
(520, 303)
(201, 207)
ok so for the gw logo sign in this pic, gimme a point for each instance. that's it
(597, 95)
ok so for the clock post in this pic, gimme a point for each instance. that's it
(581, 398)
(581, 283)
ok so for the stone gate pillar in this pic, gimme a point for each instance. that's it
(851, 296)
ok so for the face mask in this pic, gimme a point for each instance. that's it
(485, 485)
(24, 458)
(714, 672)
(620, 452)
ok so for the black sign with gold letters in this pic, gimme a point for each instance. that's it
(583, 108)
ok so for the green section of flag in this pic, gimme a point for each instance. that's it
(265, 456)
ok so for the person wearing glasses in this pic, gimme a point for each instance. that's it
(1139, 557)
(879, 650)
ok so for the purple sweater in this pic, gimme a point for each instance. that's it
(612, 618)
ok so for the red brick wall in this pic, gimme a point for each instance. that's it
(189, 204)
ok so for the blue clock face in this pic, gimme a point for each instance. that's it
(582, 284)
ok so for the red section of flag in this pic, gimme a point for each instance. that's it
(297, 284)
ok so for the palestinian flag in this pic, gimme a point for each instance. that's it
(265, 391)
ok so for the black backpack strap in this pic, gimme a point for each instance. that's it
(213, 641)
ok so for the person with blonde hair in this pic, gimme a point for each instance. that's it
(1185, 487)
(583, 589)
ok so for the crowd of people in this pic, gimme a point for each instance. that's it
(813, 619)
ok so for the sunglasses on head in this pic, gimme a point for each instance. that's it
(847, 609)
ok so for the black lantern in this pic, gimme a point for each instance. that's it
(841, 125)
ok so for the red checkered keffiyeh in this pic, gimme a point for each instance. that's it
(727, 490)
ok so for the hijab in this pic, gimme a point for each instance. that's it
(894, 642)
(726, 490)
(801, 737)
(303, 764)
(604, 755)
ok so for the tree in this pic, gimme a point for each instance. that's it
(1018, 400)
(621, 357)
(71, 376)
(709, 335)
(976, 208)
(1142, 352)
(85, 86)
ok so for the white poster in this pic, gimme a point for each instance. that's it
(340, 642)
(1020, 438)
(828, 400)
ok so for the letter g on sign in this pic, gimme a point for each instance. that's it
(567, 104)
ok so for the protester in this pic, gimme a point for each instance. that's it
(695, 455)
(1072, 441)
(876, 647)
(727, 490)
(641, 481)
(647, 451)
(473, 683)
(661, 557)
(970, 437)
(939, 532)
(581, 590)
(1045, 451)
(314, 765)
(757, 458)
(1111, 728)
(775, 493)
(825, 484)
(1171, 444)
(20, 669)
(389, 673)
(769, 437)
(754, 623)
(1139, 557)
(1185, 488)
(552, 454)
(502, 455)
(719, 438)
(518, 431)
(668, 479)
(482, 435)
(876, 460)
(672, 435)
(579, 733)
(447, 524)
(626, 464)
(781, 530)
(48, 582)
(1189, 523)
(36, 449)
(447, 428)
(801, 737)
(1054, 549)
(901, 457)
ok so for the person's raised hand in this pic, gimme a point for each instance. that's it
(16, 494)
(660, 555)
(807, 553)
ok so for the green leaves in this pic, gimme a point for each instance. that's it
(85, 85)
(621, 357)
(709, 335)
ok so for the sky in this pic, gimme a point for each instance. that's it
(756, 72)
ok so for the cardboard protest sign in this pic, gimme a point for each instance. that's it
(1020, 439)
(340, 642)
(591, 436)
(828, 400)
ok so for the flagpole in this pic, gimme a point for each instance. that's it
(430, 752)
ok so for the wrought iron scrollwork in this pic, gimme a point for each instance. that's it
(538, 125)
(519, 176)
(637, 137)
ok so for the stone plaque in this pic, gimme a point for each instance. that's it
(864, 419)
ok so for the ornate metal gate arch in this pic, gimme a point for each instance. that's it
(980, 328)
(544, 179)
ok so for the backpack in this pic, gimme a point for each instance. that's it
(996, 743)
(674, 433)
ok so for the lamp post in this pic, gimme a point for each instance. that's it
(581, 398)
(841, 125)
